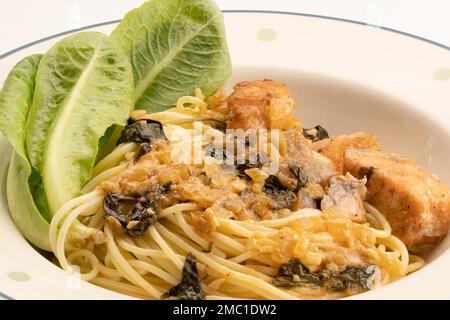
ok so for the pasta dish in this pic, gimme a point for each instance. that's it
(309, 230)
(133, 168)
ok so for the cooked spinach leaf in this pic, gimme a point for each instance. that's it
(190, 286)
(140, 209)
(136, 222)
(174, 47)
(316, 134)
(295, 273)
(220, 153)
(281, 197)
(349, 278)
(296, 267)
(302, 177)
(240, 168)
(272, 182)
(142, 131)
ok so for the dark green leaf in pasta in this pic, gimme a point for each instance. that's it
(280, 196)
(190, 286)
(143, 131)
(295, 273)
(315, 134)
(300, 176)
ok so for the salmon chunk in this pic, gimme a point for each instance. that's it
(334, 148)
(416, 204)
(346, 195)
(261, 104)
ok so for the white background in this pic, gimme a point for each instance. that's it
(23, 21)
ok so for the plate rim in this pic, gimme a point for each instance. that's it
(323, 17)
(302, 14)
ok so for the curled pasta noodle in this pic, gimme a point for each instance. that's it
(385, 230)
(93, 261)
(196, 104)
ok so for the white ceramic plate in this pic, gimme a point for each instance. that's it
(346, 76)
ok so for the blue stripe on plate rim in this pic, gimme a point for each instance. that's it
(5, 297)
(8, 53)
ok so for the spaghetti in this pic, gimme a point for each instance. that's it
(238, 256)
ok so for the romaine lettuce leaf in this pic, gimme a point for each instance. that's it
(23, 211)
(15, 100)
(55, 109)
(16, 97)
(174, 47)
(84, 85)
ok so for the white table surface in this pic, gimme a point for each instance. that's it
(23, 21)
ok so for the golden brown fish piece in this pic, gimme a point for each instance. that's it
(334, 148)
(416, 204)
(261, 104)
